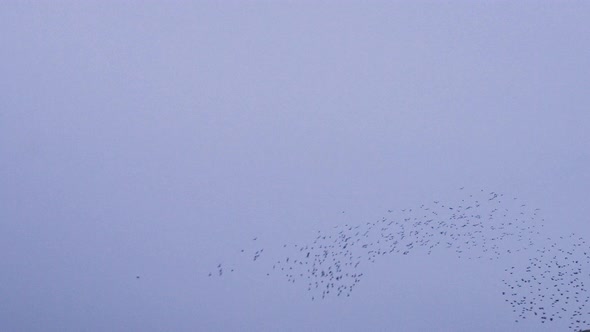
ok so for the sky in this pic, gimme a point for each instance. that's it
(157, 139)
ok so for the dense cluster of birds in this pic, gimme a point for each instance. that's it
(483, 225)
(551, 285)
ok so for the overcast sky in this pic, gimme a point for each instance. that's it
(156, 140)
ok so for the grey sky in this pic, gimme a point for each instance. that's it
(156, 140)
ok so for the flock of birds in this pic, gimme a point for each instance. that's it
(483, 226)
(551, 285)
